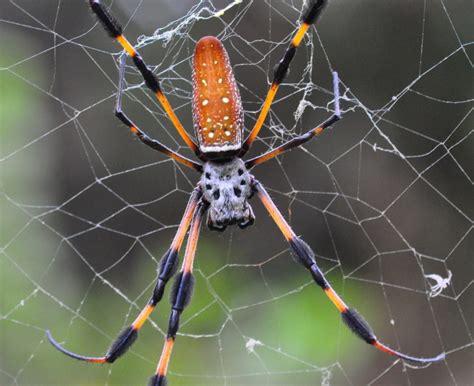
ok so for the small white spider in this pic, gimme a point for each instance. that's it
(441, 283)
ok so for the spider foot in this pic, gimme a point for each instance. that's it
(72, 354)
(361, 328)
(126, 338)
(408, 358)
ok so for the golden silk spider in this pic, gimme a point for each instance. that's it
(226, 185)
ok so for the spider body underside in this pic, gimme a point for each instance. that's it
(226, 188)
(225, 185)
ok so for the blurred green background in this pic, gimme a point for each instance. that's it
(87, 211)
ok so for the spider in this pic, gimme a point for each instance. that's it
(226, 185)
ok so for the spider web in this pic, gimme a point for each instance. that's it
(384, 198)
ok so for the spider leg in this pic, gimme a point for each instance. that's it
(309, 17)
(180, 297)
(142, 136)
(114, 29)
(305, 257)
(168, 266)
(298, 141)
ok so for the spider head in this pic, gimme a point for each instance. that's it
(226, 187)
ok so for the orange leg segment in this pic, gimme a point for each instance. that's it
(308, 18)
(301, 139)
(180, 297)
(167, 268)
(114, 29)
(305, 257)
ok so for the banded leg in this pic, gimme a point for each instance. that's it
(142, 136)
(298, 141)
(180, 297)
(305, 257)
(168, 266)
(114, 29)
(309, 17)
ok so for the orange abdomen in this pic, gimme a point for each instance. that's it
(217, 107)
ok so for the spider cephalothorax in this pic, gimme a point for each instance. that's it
(225, 185)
